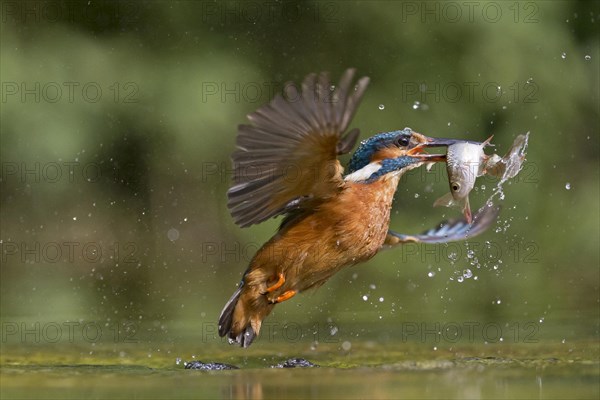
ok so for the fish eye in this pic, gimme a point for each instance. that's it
(402, 140)
(455, 186)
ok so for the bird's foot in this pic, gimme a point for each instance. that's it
(285, 296)
(276, 285)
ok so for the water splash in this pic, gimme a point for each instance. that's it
(512, 164)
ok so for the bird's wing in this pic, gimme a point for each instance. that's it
(286, 159)
(449, 231)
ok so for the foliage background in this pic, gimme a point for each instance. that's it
(150, 160)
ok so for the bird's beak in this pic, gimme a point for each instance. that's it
(421, 142)
(439, 142)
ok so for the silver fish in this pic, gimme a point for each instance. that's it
(465, 162)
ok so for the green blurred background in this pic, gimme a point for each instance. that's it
(118, 119)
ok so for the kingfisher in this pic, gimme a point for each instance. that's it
(285, 164)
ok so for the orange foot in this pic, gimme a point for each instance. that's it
(285, 296)
(277, 284)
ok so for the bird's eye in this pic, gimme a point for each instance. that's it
(455, 186)
(402, 140)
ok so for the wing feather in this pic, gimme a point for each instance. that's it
(286, 157)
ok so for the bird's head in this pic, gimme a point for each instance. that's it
(392, 152)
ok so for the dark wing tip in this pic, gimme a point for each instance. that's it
(452, 230)
(460, 229)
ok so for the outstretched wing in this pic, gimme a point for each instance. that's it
(287, 158)
(449, 231)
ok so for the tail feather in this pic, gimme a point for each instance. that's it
(226, 317)
(240, 327)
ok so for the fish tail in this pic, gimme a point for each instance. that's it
(467, 211)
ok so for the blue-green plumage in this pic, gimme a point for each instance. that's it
(390, 165)
(364, 154)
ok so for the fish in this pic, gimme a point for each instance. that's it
(465, 162)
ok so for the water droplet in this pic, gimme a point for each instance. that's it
(568, 186)
(587, 57)
(498, 301)
(333, 330)
(381, 299)
(365, 297)
(529, 81)
(346, 346)
(173, 234)
(416, 105)
(416, 195)
(74, 218)
(563, 55)
(460, 279)
(449, 123)
(382, 107)
(467, 273)
(431, 274)
(177, 361)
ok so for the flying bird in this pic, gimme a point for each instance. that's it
(285, 164)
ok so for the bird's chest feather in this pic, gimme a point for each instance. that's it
(344, 231)
(364, 216)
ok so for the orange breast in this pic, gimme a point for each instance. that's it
(344, 231)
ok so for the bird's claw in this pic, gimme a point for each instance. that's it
(276, 285)
(285, 296)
